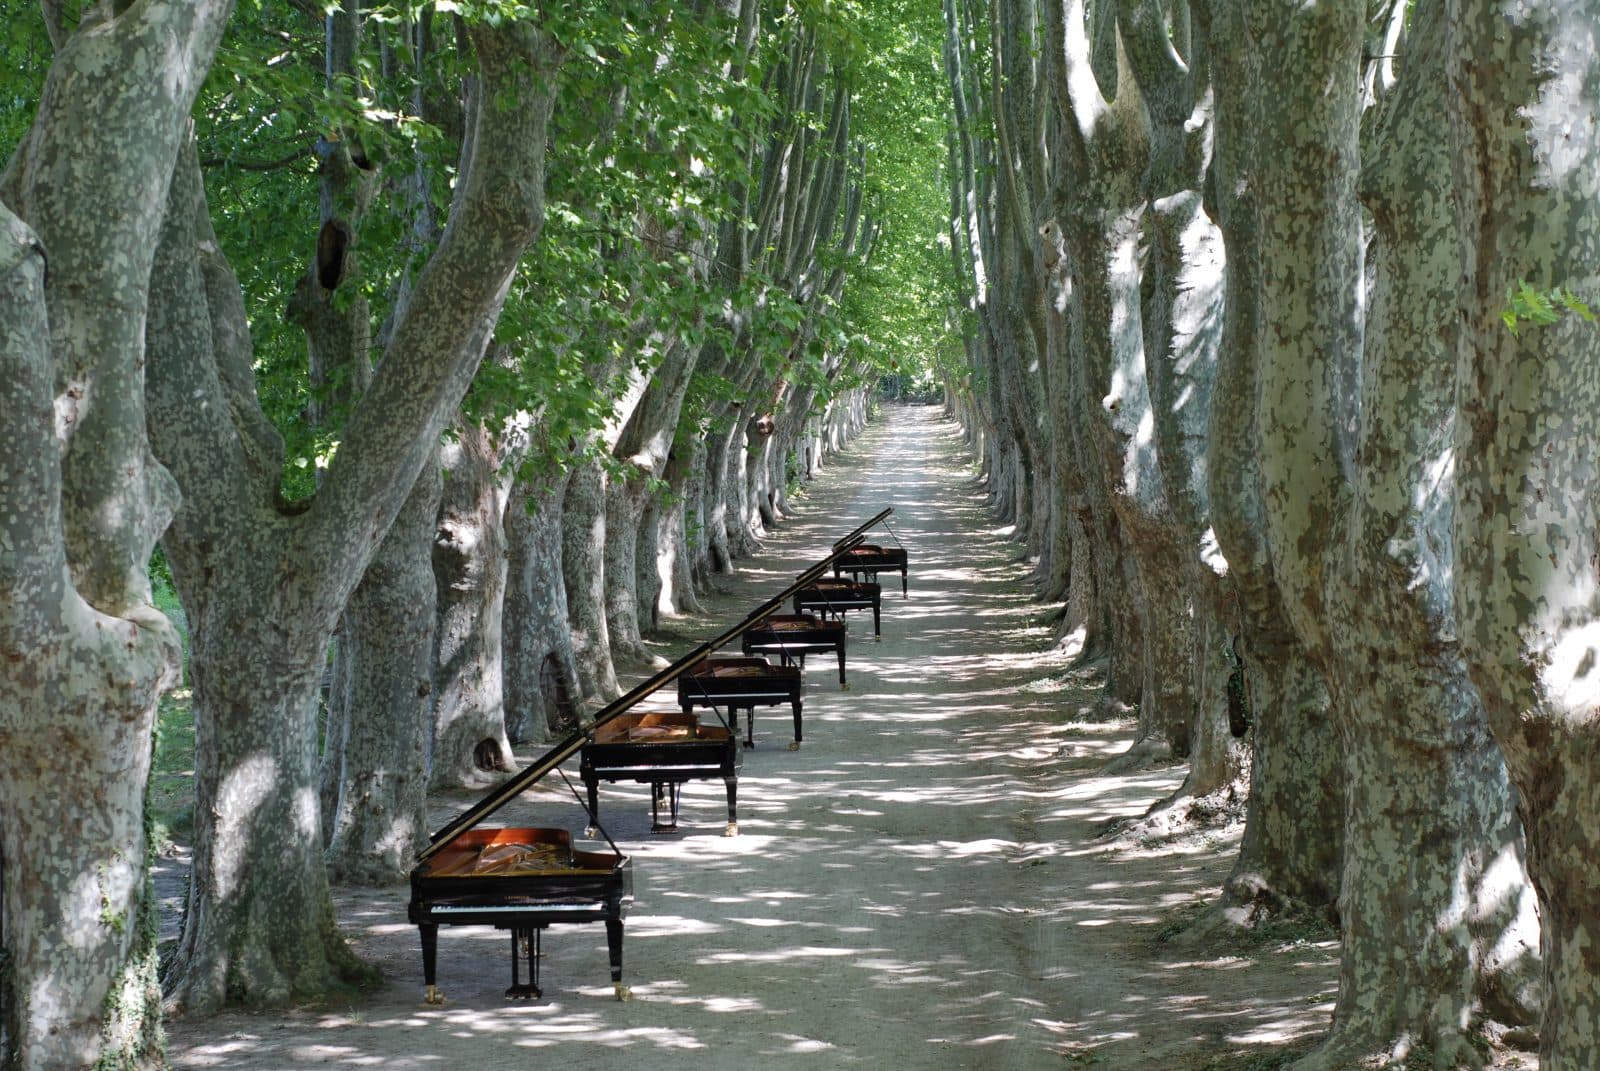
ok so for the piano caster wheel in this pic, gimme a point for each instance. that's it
(433, 996)
(732, 830)
(621, 991)
(523, 992)
(591, 832)
(845, 687)
(794, 745)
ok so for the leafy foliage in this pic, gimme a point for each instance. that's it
(1528, 304)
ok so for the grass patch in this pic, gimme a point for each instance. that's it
(172, 772)
(171, 799)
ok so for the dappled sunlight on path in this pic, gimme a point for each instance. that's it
(920, 886)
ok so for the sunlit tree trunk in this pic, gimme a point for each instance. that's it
(1100, 207)
(1524, 106)
(1182, 320)
(1350, 505)
(583, 520)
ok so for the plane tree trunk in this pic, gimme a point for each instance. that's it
(469, 569)
(542, 691)
(378, 705)
(1353, 524)
(384, 689)
(1292, 850)
(82, 503)
(1100, 206)
(1523, 109)
(1182, 320)
(583, 522)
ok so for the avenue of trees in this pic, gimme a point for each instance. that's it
(1277, 355)
(434, 352)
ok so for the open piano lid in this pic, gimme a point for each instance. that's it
(561, 752)
(858, 535)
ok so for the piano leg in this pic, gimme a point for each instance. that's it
(521, 940)
(796, 745)
(732, 781)
(904, 591)
(844, 685)
(430, 962)
(614, 946)
(877, 633)
(749, 724)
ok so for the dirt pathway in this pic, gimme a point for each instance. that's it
(919, 887)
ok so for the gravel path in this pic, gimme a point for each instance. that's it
(920, 886)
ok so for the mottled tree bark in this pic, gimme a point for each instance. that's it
(642, 447)
(384, 689)
(1182, 320)
(372, 757)
(1292, 850)
(1349, 506)
(1523, 113)
(82, 501)
(677, 543)
(542, 691)
(1100, 206)
(469, 569)
(583, 522)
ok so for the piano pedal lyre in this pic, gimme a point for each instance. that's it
(528, 943)
(433, 996)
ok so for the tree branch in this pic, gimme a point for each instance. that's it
(257, 165)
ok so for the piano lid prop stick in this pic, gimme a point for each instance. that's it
(596, 822)
(864, 527)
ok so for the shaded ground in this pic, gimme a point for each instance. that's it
(922, 885)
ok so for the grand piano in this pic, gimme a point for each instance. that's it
(743, 684)
(835, 596)
(526, 878)
(662, 749)
(867, 560)
(793, 636)
(520, 879)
